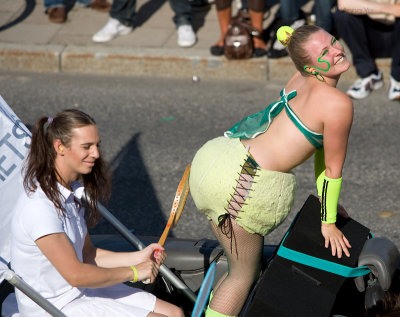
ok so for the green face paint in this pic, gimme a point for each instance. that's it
(320, 61)
(333, 42)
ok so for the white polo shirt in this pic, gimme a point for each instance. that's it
(35, 216)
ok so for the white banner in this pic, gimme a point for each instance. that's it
(15, 140)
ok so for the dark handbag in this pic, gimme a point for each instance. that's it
(238, 42)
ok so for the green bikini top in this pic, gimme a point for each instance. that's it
(258, 123)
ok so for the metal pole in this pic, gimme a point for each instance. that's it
(25, 288)
(131, 238)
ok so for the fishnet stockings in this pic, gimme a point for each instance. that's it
(242, 249)
(238, 198)
(243, 268)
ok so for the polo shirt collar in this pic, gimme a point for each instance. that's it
(77, 190)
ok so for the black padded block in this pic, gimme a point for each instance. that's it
(288, 288)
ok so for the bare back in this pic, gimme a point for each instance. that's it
(283, 146)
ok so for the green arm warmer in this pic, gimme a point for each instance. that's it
(319, 169)
(330, 197)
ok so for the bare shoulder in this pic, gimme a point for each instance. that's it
(334, 99)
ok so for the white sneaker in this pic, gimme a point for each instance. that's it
(394, 89)
(112, 29)
(186, 36)
(362, 87)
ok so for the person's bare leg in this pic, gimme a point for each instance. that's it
(224, 18)
(257, 21)
(163, 308)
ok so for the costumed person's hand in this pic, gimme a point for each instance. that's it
(336, 239)
(160, 256)
(147, 270)
(341, 211)
(151, 252)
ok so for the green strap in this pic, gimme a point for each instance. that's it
(259, 122)
(314, 138)
(320, 264)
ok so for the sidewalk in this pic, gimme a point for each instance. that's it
(35, 44)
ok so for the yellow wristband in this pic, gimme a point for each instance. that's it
(135, 275)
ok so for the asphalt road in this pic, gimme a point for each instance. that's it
(151, 128)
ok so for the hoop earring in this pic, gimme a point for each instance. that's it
(315, 73)
(318, 76)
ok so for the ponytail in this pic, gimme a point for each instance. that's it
(40, 168)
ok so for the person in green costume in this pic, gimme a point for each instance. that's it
(243, 182)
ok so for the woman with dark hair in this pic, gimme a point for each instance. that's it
(51, 248)
(243, 180)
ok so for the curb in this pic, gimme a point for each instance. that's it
(158, 62)
(169, 63)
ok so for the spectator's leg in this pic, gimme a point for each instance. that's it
(289, 10)
(363, 39)
(183, 12)
(85, 3)
(323, 14)
(224, 12)
(256, 11)
(122, 15)
(99, 5)
(395, 71)
(394, 89)
(290, 16)
(183, 22)
(56, 10)
(48, 4)
(124, 11)
(352, 29)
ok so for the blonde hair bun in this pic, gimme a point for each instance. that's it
(284, 34)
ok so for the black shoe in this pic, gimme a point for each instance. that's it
(273, 53)
(217, 50)
(259, 52)
(199, 4)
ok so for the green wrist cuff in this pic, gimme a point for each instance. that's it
(330, 197)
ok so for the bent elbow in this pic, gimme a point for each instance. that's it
(333, 173)
(75, 280)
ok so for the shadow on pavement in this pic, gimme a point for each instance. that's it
(133, 201)
(30, 6)
(146, 11)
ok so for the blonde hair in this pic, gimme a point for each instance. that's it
(295, 45)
